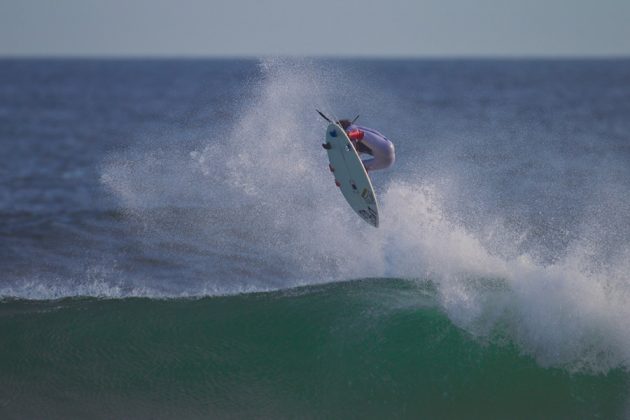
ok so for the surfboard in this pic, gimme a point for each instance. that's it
(350, 175)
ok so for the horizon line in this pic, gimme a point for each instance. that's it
(472, 56)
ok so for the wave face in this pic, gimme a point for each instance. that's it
(183, 186)
(363, 349)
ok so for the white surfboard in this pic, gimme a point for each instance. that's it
(350, 175)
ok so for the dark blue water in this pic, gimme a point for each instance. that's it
(192, 179)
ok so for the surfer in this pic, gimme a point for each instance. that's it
(370, 142)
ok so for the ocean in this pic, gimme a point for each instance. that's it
(172, 244)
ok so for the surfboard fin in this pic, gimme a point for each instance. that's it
(323, 116)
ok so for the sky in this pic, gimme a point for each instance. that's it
(384, 28)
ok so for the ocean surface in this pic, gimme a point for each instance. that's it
(172, 244)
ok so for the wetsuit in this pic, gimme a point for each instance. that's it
(372, 142)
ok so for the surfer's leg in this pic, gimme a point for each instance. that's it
(382, 150)
(368, 164)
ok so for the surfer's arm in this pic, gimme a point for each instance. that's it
(356, 135)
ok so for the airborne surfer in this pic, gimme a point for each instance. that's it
(371, 142)
(345, 141)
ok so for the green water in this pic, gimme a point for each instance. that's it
(365, 349)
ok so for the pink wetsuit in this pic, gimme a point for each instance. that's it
(381, 149)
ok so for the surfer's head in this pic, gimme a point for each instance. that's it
(344, 123)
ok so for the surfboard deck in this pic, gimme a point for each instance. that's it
(350, 175)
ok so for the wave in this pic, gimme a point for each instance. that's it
(368, 348)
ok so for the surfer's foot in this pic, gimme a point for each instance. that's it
(326, 146)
